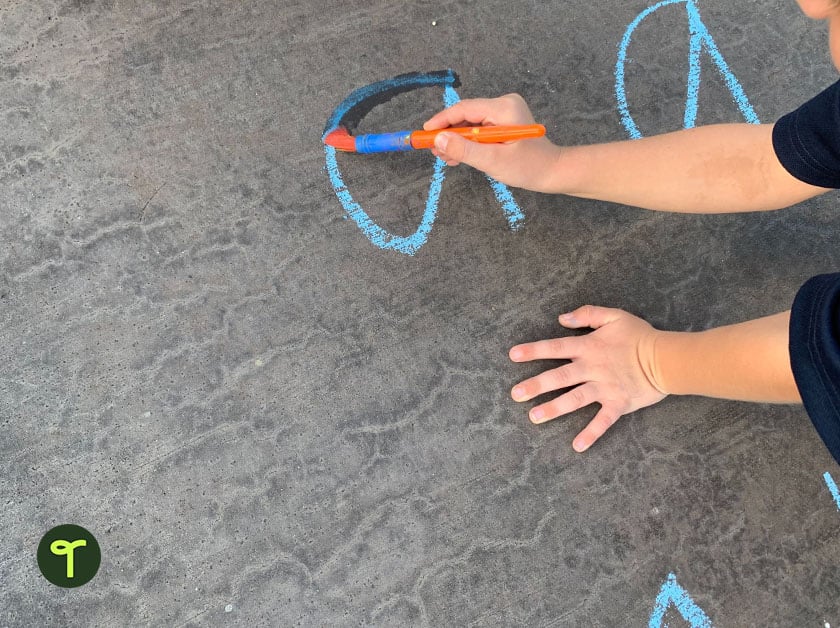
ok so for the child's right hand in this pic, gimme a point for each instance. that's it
(525, 164)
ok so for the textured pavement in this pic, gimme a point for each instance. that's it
(265, 419)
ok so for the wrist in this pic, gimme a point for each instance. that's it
(650, 347)
(678, 362)
(562, 171)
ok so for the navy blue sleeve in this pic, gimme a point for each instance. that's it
(807, 140)
(815, 354)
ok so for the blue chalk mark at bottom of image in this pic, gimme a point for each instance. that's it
(376, 234)
(832, 487)
(670, 594)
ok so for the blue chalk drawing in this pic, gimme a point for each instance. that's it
(832, 487)
(376, 234)
(700, 39)
(672, 593)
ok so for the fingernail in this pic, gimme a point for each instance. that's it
(537, 414)
(579, 446)
(441, 141)
(568, 319)
(517, 393)
(515, 354)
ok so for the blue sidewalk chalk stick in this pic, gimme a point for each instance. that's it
(384, 142)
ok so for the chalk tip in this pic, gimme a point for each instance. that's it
(340, 139)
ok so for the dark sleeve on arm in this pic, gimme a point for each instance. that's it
(807, 140)
(815, 354)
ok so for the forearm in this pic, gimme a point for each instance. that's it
(748, 361)
(710, 169)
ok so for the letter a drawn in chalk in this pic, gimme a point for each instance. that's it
(700, 40)
(348, 114)
(672, 594)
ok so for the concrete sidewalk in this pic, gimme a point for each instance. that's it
(264, 419)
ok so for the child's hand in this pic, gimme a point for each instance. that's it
(613, 366)
(524, 163)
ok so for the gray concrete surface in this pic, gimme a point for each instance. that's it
(266, 420)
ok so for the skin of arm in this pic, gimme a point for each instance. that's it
(711, 169)
(625, 364)
(752, 356)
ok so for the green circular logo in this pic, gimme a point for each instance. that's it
(68, 556)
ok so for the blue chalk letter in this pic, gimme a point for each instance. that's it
(700, 39)
(376, 234)
(672, 593)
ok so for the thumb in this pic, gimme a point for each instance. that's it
(454, 149)
(589, 316)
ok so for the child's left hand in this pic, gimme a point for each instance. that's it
(613, 365)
